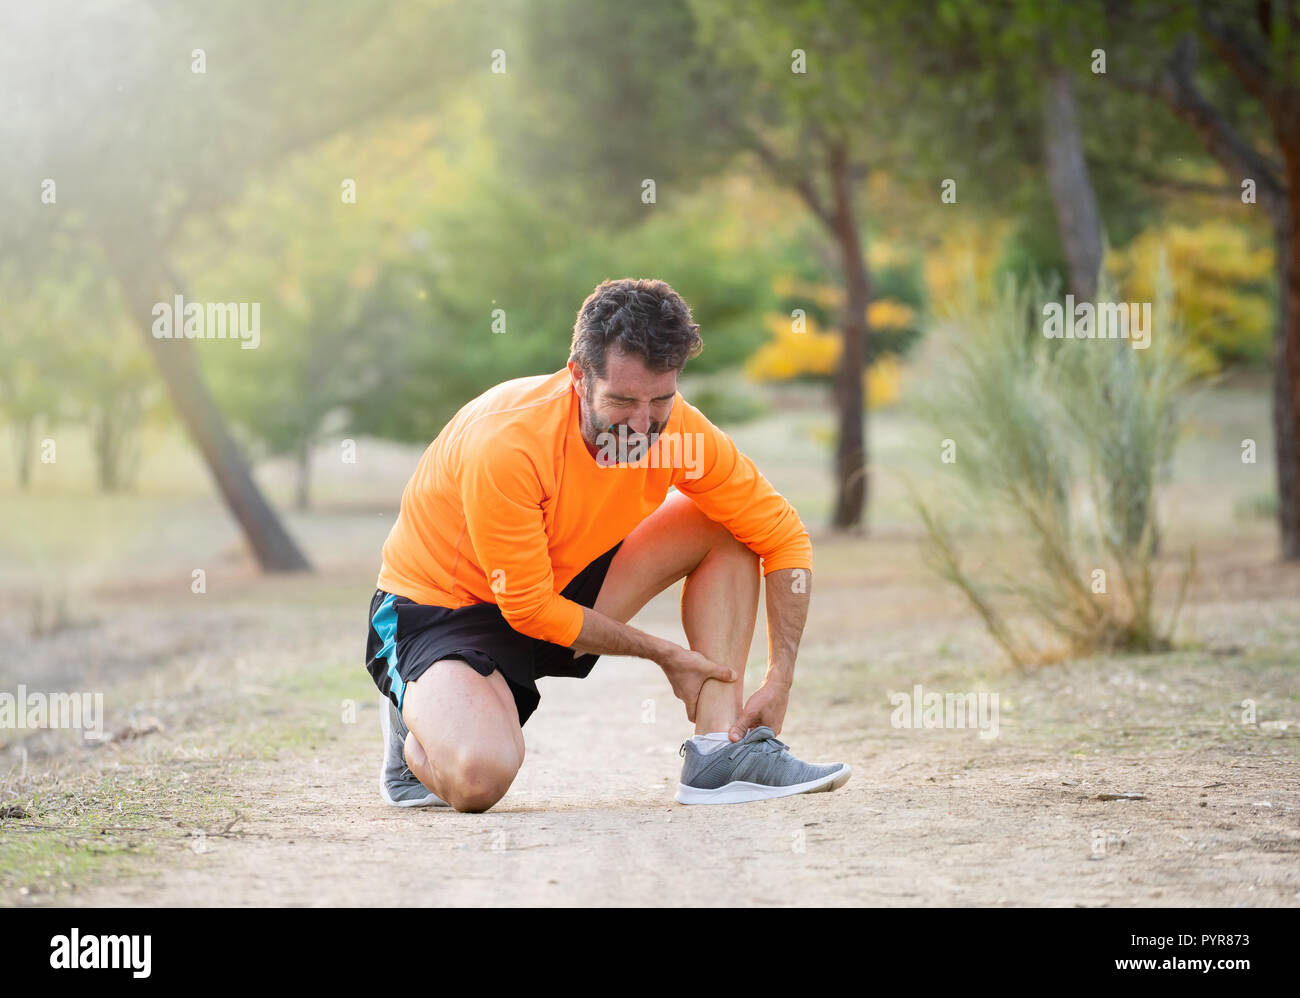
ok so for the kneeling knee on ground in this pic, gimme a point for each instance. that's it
(475, 781)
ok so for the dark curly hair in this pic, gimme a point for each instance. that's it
(645, 318)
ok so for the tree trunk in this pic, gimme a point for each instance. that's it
(105, 458)
(142, 285)
(1286, 360)
(24, 434)
(302, 484)
(851, 481)
(1078, 218)
(1072, 193)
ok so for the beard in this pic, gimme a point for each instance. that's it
(618, 438)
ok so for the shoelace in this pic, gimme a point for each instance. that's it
(769, 744)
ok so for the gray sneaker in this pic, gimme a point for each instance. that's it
(397, 784)
(758, 767)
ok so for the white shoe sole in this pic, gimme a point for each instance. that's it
(739, 792)
(433, 800)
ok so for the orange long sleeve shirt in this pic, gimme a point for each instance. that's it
(507, 505)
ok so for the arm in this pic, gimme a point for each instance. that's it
(502, 498)
(731, 490)
(787, 610)
(686, 669)
(788, 592)
(602, 635)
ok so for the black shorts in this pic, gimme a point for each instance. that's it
(407, 637)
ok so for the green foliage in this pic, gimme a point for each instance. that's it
(724, 398)
(67, 354)
(610, 95)
(496, 246)
(313, 261)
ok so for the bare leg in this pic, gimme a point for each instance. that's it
(464, 740)
(719, 608)
(719, 600)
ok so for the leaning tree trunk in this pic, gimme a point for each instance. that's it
(851, 482)
(302, 486)
(1072, 193)
(142, 285)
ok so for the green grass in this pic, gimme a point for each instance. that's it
(81, 828)
(90, 819)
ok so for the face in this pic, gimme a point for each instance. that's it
(629, 395)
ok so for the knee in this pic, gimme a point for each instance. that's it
(474, 782)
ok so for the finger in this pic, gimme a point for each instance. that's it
(743, 723)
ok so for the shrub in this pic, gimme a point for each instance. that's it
(1058, 448)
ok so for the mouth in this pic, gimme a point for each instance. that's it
(621, 445)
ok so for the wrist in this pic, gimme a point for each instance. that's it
(783, 678)
(664, 652)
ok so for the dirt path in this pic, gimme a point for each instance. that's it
(930, 817)
(255, 792)
(252, 789)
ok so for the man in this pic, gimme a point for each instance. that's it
(539, 522)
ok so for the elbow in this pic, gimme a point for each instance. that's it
(530, 619)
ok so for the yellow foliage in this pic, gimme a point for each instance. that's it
(790, 354)
(963, 249)
(814, 352)
(884, 253)
(1219, 277)
(883, 382)
(828, 296)
(888, 313)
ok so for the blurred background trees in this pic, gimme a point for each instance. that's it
(813, 178)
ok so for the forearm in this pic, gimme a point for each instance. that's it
(602, 635)
(788, 592)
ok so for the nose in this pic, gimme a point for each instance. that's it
(640, 423)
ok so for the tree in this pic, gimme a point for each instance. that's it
(37, 334)
(133, 118)
(314, 266)
(670, 92)
(1244, 104)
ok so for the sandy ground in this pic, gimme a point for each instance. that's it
(930, 817)
(591, 821)
(228, 803)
